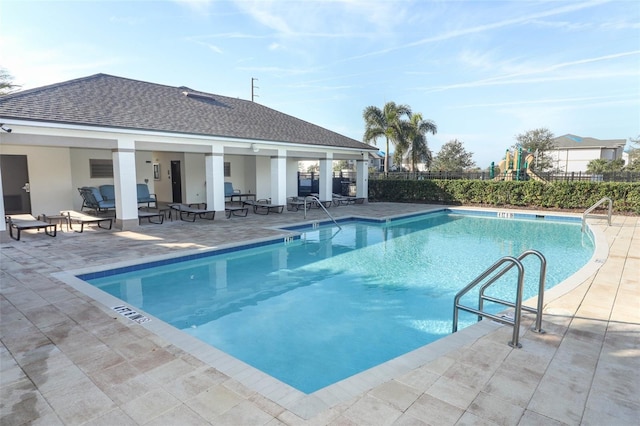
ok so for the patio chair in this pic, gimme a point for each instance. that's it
(236, 211)
(343, 200)
(20, 222)
(297, 203)
(144, 197)
(108, 193)
(93, 199)
(188, 213)
(229, 191)
(263, 206)
(83, 218)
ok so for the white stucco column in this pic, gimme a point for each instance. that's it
(362, 177)
(214, 163)
(326, 178)
(279, 178)
(124, 179)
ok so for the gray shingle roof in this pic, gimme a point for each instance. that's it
(573, 141)
(109, 101)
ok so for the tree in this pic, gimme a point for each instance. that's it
(634, 156)
(385, 123)
(538, 142)
(602, 165)
(340, 165)
(414, 140)
(6, 83)
(452, 157)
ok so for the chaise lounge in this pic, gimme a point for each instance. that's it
(263, 206)
(189, 213)
(20, 222)
(81, 219)
(343, 200)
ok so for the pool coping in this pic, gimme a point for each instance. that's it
(309, 405)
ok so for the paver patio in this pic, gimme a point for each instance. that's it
(68, 359)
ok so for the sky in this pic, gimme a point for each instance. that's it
(482, 71)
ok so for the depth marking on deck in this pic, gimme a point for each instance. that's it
(126, 311)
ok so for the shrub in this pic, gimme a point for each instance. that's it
(558, 195)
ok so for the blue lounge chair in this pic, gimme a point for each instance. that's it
(144, 197)
(229, 192)
(108, 193)
(93, 199)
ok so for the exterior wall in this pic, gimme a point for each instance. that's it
(162, 187)
(49, 177)
(144, 169)
(250, 177)
(292, 178)
(238, 176)
(263, 186)
(574, 160)
(194, 178)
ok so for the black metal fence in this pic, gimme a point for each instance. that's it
(549, 177)
(309, 183)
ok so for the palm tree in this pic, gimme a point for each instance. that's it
(414, 143)
(386, 122)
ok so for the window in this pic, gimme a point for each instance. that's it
(100, 168)
(227, 169)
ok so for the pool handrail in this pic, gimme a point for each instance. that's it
(541, 283)
(593, 207)
(515, 322)
(317, 200)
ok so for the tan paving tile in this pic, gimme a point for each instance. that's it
(80, 402)
(434, 411)
(496, 409)
(112, 417)
(26, 410)
(371, 410)
(150, 405)
(396, 394)
(244, 413)
(214, 402)
(452, 392)
(180, 415)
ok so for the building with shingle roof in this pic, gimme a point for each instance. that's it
(573, 153)
(182, 142)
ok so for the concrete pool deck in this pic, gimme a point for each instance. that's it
(67, 358)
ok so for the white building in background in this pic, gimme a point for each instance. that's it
(573, 153)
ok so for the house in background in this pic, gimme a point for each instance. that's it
(183, 143)
(572, 153)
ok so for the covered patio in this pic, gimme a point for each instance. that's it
(183, 144)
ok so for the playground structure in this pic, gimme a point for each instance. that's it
(515, 166)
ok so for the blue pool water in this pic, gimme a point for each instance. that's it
(336, 302)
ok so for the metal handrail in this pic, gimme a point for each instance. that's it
(317, 200)
(541, 282)
(593, 207)
(518, 305)
(515, 322)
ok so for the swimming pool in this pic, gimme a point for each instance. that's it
(361, 295)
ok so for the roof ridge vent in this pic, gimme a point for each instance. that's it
(198, 95)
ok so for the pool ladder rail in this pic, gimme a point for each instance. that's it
(519, 307)
(593, 207)
(319, 203)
